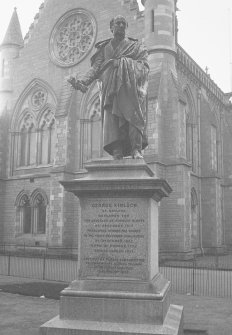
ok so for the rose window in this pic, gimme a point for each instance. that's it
(72, 38)
(38, 98)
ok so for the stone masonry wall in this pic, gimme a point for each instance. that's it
(165, 152)
(34, 62)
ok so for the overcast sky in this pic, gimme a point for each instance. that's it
(203, 31)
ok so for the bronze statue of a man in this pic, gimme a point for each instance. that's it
(120, 65)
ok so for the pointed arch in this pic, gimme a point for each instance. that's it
(36, 103)
(31, 88)
(192, 115)
(39, 203)
(91, 125)
(195, 231)
(22, 195)
(38, 192)
(48, 108)
(25, 117)
(46, 140)
(88, 99)
(23, 213)
(194, 199)
(31, 212)
(191, 131)
(26, 139)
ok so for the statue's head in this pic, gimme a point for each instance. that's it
(118, 25)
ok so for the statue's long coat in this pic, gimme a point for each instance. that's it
(122, 74)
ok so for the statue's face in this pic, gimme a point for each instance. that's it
(119, 26)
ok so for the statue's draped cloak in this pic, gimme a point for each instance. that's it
(123, 76)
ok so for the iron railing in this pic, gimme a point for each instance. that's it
(209, 275)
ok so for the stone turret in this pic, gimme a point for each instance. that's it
(160, 38)
(167, 112)
(160, 25)
(9, 50)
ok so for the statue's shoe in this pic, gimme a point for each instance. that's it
(137, 155)
(117, 154)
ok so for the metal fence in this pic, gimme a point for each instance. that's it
(203, 275)
(43, 263)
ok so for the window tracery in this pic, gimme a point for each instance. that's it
(31, 212)
(24, 209)
(47, 137)
(194, 219)
(27, 141)
(214, 148)
(91, 132)
(35, 138)
(39, 214)
(39, 98)
(72, 37)
(191, 134)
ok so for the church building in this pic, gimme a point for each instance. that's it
(48, 130)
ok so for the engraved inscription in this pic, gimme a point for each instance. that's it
(114, 238)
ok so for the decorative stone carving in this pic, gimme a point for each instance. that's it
(72, 37)
(39, 200)
(24, 201)
(47, 119)
(27, 121)
(38, 99)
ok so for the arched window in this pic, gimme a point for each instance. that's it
(31, 212)
(91, 132)
(191, 134)
(39, 203)
(189, 140)
(22, 146)
(214, 148)
(32, 145)
(33, 128)
(47, 137)
(24, 214)
(39, 214)
(194, 219)
(27, 141)
(96, 130)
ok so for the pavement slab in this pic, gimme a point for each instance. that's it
(23, 315)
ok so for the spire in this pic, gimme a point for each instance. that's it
(13, 33)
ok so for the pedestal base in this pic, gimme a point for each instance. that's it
(119, 288)
(114, 307)
(173, 325)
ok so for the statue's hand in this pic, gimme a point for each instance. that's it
(77, 84)
(71, 80)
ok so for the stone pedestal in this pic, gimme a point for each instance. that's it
(119, 288)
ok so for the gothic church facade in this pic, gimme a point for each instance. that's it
(48, 131)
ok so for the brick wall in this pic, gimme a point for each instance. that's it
(212, 235)
(174, 217)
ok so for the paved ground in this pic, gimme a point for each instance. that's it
(211, 314)
(21, 315)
